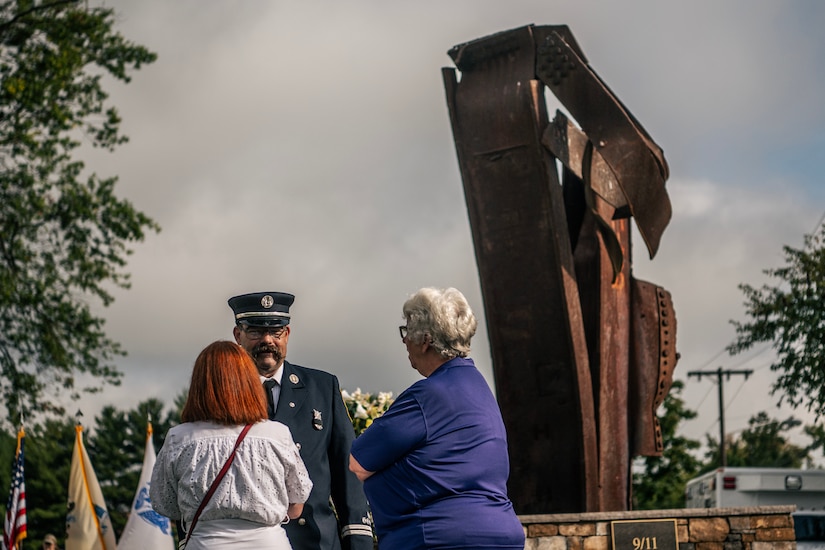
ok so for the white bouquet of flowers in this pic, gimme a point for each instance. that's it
(363, 407)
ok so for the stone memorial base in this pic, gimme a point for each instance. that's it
(756, 528)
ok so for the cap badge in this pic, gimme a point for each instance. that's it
(316, 420)
(293, 378)
(267, 301)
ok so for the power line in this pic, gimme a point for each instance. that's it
(701, 401)
(719, 380)
(712, 359)
(733, 397)
(754, 356)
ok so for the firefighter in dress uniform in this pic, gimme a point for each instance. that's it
(309, 402)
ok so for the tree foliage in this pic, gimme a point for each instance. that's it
(817, 435)
(791, 316)
(660, 484)
(65, 235)
(48, 461)
(762, 444)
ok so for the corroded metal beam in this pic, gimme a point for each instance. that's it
(571, 332)
(525, 260)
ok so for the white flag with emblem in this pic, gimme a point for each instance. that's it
(146, 529)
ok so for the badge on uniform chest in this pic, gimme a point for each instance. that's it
(317, 423)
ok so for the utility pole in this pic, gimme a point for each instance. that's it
(723, 459)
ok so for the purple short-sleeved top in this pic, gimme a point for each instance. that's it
(440, 460)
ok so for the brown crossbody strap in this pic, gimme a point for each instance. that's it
(215, 483)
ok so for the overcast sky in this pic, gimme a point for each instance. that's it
(306, 147)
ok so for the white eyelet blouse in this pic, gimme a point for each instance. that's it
(265, 477)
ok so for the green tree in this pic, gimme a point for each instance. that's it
(761, 444)
(8, 445)
(660, 483)
(49, 449)
(180, 401)
(65, 235)
(817, 434)
(791, 316)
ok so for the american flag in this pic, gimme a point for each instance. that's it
(14, 527)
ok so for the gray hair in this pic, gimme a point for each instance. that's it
(445, 316)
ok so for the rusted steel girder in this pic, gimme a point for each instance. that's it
(570, 333)
(528, 281)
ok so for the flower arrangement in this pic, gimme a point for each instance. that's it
(364, 407)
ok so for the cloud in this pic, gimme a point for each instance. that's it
(306, 147)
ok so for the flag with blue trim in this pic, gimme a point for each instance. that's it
(146, 529)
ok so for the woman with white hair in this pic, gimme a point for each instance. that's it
(435, 465)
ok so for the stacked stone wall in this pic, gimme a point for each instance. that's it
(757, 528)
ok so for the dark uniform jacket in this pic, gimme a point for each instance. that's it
(310, 403)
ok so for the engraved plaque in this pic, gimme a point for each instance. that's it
(656, 534)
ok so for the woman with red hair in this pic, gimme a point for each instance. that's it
(266, 483)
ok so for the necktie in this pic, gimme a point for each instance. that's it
(269, 385)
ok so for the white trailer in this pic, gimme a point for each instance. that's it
(743, 487)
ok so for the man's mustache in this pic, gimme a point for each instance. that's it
(266, 348)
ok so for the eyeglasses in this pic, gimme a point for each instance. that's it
(402, 330)
(256, 333)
